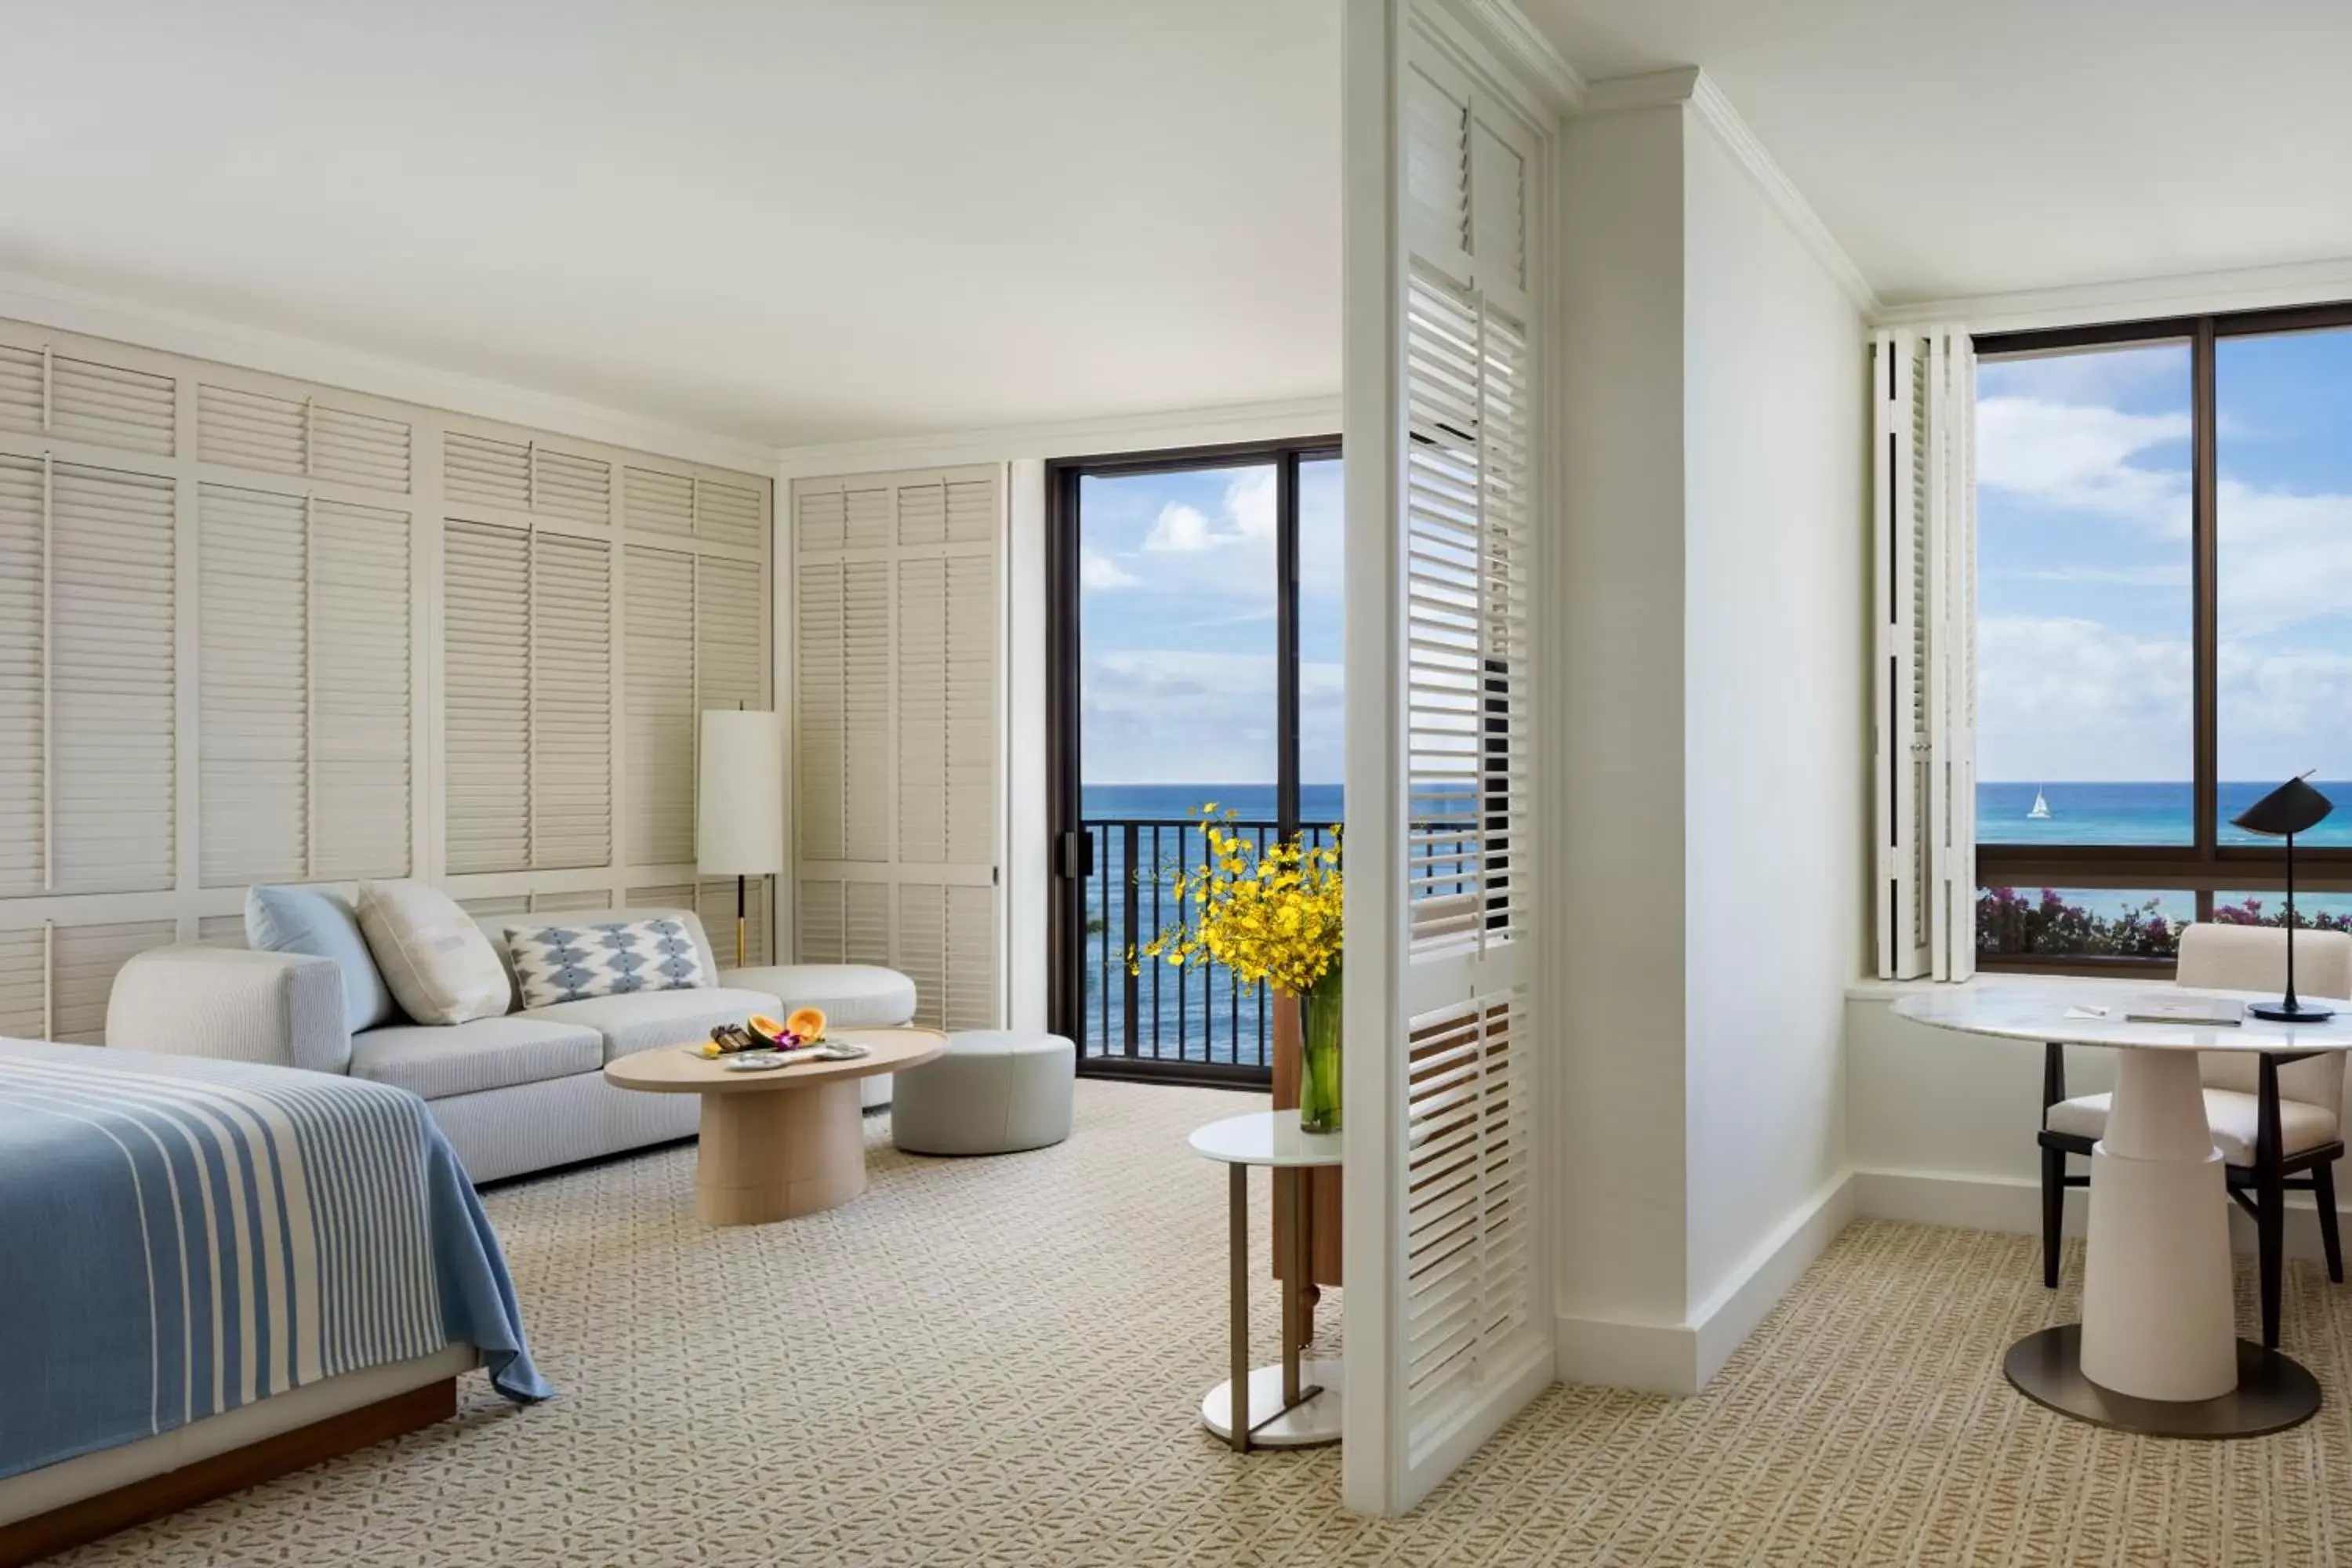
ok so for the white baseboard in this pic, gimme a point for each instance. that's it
(1681, 1358)
(2013, 1204)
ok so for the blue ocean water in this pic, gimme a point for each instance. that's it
(2144, 813)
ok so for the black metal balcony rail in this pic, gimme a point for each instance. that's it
(1182, 1019)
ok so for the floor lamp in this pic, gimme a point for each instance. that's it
(739, 817)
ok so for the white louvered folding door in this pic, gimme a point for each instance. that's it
(896, 733)
(1448, 1331)
(1923, 390)
(254, 630)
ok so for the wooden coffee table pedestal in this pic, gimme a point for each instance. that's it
(779, 1144)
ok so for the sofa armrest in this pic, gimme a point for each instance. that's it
(285, 1009)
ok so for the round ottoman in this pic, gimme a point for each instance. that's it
(993, 1091)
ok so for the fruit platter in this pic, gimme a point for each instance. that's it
(760, 1043)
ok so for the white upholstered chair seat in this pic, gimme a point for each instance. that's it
(2234, 1118)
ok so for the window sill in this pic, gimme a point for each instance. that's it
(1875, 990)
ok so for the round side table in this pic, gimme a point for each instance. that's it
(1295, 1403)
(2157, 1352)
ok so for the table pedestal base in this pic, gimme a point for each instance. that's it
(2273, 1393)
(1311, 1422)
(778, 1153)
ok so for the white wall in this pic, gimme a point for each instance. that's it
(1712, 604)
(1775, 689)
(1615, 809)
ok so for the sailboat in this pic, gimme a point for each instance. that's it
(2040, 806)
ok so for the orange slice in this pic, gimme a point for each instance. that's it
(808, 1023)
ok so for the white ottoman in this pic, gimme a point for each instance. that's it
(852, 995)
(995, 1091)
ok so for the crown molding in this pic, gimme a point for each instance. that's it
(1208, 427)
(2182, 294)
(1691, 85)
(68, 309)
(1524, 46)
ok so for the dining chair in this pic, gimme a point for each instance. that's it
(2276, 1117)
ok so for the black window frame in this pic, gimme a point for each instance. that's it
(1072, 852)
(2204, 866)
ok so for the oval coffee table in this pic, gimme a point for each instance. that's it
(2157, 1352)
(783, 1143)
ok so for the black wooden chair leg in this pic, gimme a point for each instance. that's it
(2270, 1228)
(2323, 1194)
(2053, 1211)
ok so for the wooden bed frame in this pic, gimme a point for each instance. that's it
(170, 1488)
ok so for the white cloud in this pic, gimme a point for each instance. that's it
(1178, 716)
(1244, 517)
(1180, 529)
(2284, 558)
(1099, 574)
(2078, 455)
(2061, 698)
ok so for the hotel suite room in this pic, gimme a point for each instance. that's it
(1260, 781)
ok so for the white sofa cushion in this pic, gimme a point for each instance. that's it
(644, 1019)
(607, 958)
(852, 995)
(441, 968)
(436, 1061)
(2235, 1119)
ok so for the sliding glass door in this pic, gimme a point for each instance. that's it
(1195, 658)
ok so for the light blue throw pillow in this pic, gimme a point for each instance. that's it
(321, 923)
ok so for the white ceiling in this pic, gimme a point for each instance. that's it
(791, 220)
(800, 221)
(1962, 147)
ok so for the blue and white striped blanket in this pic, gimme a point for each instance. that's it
(181, 1237)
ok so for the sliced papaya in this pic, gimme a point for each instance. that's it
(808, 1023)
(767, 1028)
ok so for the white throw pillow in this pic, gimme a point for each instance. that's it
(441, 968)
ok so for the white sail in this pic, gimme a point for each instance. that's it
(2041, 805)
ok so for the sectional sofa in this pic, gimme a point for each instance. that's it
(514, 1094)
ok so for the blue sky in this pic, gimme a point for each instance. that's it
(1177, 626)
(2083, 558)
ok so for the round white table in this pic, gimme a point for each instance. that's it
(2156, 1351)
(1295, 1403)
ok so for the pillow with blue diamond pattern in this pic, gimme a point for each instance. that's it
(573, 962)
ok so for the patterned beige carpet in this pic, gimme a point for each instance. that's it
(999, 1361)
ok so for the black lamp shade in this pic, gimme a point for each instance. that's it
(2293, 807)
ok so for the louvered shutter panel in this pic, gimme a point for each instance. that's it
(730, 644)
(485, 600)
(482, 471)
(658, 657)
(571, 702)
(868, 516)
(658, 502)
(946, 654)
(866, 655)
(83, 962)
(564, 484)
(251, 430)
(360, 762)
(357, 448)
(581, 899)
(729, 514)
(23, 658)
(1900, 588)
(24, 380)
(923, 513)
(820, 738)
(947, 944)
(1442, 826)
(1924, 586)
(252, 563)
(25, 984)
(129, 410)
(112, 731)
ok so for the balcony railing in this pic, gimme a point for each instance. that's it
(1193, 1019)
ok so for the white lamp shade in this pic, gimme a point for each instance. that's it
(739, 816)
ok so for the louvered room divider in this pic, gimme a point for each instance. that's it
(1448, 1329)
(898, 592)
(257, 630)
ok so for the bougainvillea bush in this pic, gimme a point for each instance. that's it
(2009, 920)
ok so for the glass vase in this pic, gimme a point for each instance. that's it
(1318, 1076)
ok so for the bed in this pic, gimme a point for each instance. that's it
(217, 1271)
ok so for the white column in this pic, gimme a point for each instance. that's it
(2157, 1321)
